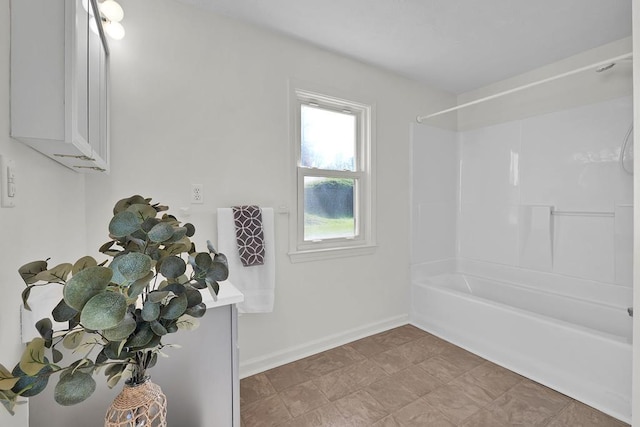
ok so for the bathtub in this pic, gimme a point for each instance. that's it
(579, 347)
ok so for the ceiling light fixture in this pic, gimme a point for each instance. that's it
(111, 13)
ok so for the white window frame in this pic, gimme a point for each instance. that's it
(364, 213)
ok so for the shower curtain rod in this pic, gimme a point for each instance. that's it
(420, 119)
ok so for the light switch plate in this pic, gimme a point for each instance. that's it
(8, 181)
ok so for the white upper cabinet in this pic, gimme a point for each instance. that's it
(60, 82)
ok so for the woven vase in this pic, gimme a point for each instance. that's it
(138, 405)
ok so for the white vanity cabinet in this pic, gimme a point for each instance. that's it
(200, 379)
(60, 82)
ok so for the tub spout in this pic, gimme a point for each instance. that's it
(630, 311)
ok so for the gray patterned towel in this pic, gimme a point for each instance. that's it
(249, 234)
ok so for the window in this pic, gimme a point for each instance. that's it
(334, 181)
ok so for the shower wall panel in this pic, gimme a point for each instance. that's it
(567, 161)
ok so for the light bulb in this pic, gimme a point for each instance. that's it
(111, 10)
(115, 30)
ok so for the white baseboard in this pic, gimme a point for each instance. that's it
(291, 354)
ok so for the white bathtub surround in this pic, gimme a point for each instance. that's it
(623, 244)
(541, 278)
(535, 237)
(578, 347)
(257, 282)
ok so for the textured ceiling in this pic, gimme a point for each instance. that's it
(455, 45)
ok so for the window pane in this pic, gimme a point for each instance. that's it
(328, 208)
(328, 139)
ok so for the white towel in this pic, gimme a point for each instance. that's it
(256, 282)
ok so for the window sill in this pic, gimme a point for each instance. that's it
(321, 254)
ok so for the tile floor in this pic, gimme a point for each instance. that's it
(405, 377)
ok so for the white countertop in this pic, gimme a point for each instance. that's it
(227, 295)
(46, 298)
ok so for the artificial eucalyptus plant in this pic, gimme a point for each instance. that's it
(116, 312)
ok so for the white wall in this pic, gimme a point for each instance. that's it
(435, 170)
(586, 87)
(200, 98)
(48, 221)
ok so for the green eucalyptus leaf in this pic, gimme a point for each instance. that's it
(203, 261)
(161, 232)
(154, 342)
(104, 311)
(25, 297)
(29, 271)
(123, 205)
(141, 337)
(113, 380)
(176, 288)
(57, 274)
(178, 234)
(114, 369)
(83, 365)
(122, 330)
(84, 262)
(199, 284)
(73, 339)
(158, 329)
(142, 210)
(112, 351)
(191, 230)
(57, 355)
(139, 285)
(187, 323)
(176, 307)
(157, 296)
(84, 285)
(62, 312)
(102, 356)
(29, 386)
(150, 311)
(172, 326)
(45, 328)
(197, 310)
(74, 388)
(222, 258)
(149, 223)
(7, 379)
(153, 361)
(32, 360)
(173, 267)
(194, 297)
(217, 272)
(214, 287)
(105, 248)
(124, 223)
(134, 265)
(8, 400)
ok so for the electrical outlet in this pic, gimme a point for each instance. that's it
(197, 196)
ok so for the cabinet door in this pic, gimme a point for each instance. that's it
(97, 93)
(80, 76)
